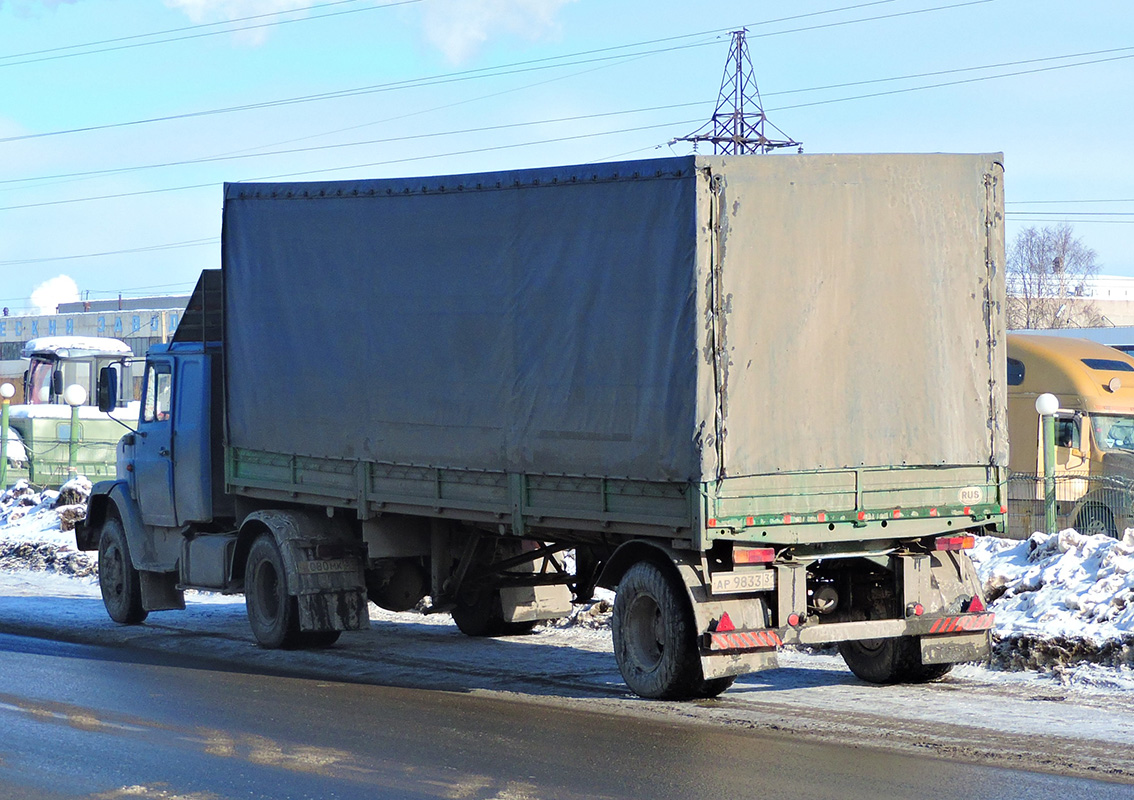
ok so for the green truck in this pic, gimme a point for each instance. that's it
(761, 398)
(40, 427)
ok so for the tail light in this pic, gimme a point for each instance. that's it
(753, 555)
(962, 542)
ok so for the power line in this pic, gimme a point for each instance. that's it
(54, 54)
(389, 140)
(505, 69)
(955, 83)
(1052, 202)
(408, 159)
(1076, 221)
(318, 148)
(127, 251)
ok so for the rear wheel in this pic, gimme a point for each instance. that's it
(117, 579)
(654, 637)
(480, 614)
(895, 660)
(273, 613)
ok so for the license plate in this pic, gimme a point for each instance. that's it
(328, 566)
(737, 581)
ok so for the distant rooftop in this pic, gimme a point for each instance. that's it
(164, 301)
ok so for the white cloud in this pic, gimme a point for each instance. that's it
(49, 294)
(200, 11)
(460, 27)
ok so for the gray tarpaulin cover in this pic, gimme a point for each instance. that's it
(664, 320)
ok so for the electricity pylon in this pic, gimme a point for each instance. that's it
(739, 124)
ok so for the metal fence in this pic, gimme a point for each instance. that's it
(1088, 503)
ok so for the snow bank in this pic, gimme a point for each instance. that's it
(1060, 599)
(29, 516)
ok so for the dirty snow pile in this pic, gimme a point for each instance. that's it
(1060, 599)
(37, 528)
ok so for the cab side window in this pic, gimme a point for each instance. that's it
(1067, 432)
(159, 382)
(1015, 372)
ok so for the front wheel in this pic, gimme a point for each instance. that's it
(117, 578)
(654, 638)
(273, 613)
(895, 660)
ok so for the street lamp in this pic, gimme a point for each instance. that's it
(1046, 406)
(74, 396)
(7, 391)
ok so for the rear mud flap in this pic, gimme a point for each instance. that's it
(535, 603)
(721, 665)
(343, 610)
(955, 649)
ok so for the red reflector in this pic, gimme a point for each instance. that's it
(787, 519)
(918, 609)
(753, 555)
(750, 521)
(933, 512)
(1003, 509)
(861, 516)
(712, 523)
(725, 625)
(793, 619)
(976, 605)
(954, 542)
(897, 513)
(822, 517)
(968, 509)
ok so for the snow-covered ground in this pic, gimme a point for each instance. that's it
(1064, 637)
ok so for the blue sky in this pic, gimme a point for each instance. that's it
(93, 189)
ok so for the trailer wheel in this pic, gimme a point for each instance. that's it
(654, 639)
(480, 615)
(117, 578)
(890, 661)
(1094, 518)
(273, 614)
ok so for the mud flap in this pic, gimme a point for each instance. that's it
(535, 603)
(325, 569)
(955, 649)
(344, 610)
(721, 665)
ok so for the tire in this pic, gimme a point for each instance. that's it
(273, 613)
(480, 615)
(888, 661)
(1093, 519)
(714, 686)
(117, 578)
(654, 637)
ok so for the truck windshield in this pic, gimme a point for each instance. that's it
(1113, 432)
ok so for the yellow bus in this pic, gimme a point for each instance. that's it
(1094, 433)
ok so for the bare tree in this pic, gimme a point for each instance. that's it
(1048, 271)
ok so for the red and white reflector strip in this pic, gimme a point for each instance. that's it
(745, 640)
(753, 555)
(962, 542)
(969, 622)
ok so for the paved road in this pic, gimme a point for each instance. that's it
(108, 722)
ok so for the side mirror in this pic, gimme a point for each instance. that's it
(57, 383)
(107, 389)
